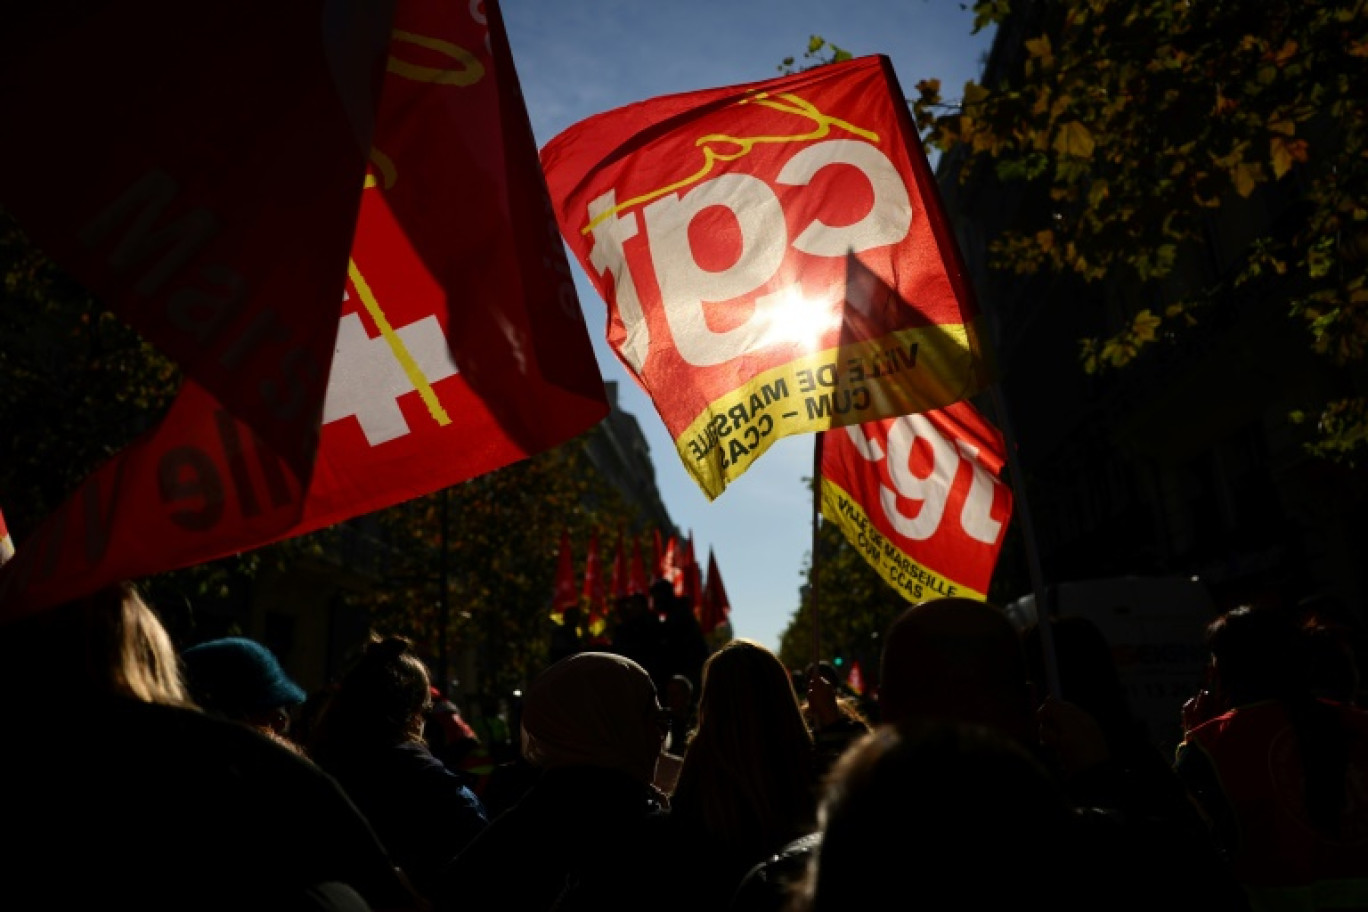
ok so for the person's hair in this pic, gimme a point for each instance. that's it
(378, 701)
(952, 815)
(109, 642)
(747, 774)
(960, 660)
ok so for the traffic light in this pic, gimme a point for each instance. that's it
(838, 661)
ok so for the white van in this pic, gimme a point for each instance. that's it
(1156, 628)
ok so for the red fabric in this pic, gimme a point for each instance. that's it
(6, 542)
(672, 562)
(638, 583)
(717, 226)
(200, 172)
(714, 606)
(855, 678)
(921, 497)
(461, 347)
(1255, 754)
(689, 583)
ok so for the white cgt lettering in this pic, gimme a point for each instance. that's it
(685, 286)
(933, 489)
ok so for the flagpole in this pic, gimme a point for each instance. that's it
(814, 575)
(1023, 508)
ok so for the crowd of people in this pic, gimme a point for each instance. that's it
(142, 777)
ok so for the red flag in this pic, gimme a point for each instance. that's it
(619, 586)
(689, 584)
(715, 607)
(921, 497)
(460, 348)
(593, 593)
(657, 555)
(565, 594)
(6, 542)
(216, 211)
(855, 678)
(717, 225)
(672, 561)
(638, 583)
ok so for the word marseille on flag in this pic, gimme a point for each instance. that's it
(774, 259)
(361, 293)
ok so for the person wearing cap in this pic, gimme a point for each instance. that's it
(241, 679)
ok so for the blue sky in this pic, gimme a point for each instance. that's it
(576, 58)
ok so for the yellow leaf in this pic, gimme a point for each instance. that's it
(974, 94)
(1097, 193)
(1280, 155)
(1038, 47)
(1246, 177)
(1074, 139)
(1144, 325)
(1284, 54)
(1045, 239)
(1285, 127)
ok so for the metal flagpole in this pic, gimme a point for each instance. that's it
(1023, 509)
(814, 574)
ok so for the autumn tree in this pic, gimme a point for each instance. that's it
(1140, 124)
(472, 567)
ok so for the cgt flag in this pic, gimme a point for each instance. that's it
(921, 498)
(717, 226)
(458, 344)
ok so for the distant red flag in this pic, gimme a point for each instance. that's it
(566, 593)
(619, 581)
(657, 555)
(638, 583)
(921, 498)
(689, 585)
(593, 594)
(714, 607)
(716, 226)
(6, 542)
(855, 678)
(319, 385)
(672, 561)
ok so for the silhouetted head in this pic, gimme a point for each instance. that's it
(941, 814)
(957, 660)
(1257, 654)
(107, 643)
(594, 709)
(382, 700)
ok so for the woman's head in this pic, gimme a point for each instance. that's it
(745, 685)
(382, 700)
(594, 709)
(109, 642)
(747, 771)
